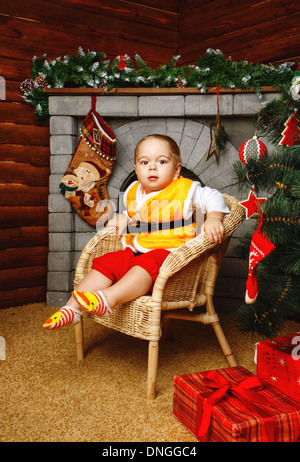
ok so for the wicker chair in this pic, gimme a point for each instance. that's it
(198, 262)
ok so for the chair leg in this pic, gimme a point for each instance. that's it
(79, 340)
(220, 334)
(152, 369)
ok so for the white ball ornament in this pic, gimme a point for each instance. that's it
(295, 88)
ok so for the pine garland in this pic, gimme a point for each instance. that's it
(91, 70)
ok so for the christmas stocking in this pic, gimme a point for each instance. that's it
(260, 247)
(84, 182)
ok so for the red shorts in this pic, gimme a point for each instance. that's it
(115, 265)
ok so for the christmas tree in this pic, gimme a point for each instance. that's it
(273, 249)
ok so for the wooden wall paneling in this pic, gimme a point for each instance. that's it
(24, 166)
(15, 258)
(24, 173)
(34, 155)
(19, 194)
(265, 31)
(13, 278)
(29, 135)
(62, 44)
(17, 112)
(58, 28)
(13, 94)
(25, 236)
(188, 6)
(278, 49)
(13, 69)
(223, 19)
(22, 296)
(152, 12)
(91, 11)
(23, 215)
(163, 5)
(277, 40)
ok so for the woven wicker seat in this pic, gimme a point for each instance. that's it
(186, 280)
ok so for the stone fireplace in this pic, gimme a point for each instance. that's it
(183, 114)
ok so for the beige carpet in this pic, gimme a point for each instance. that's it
(48, 396)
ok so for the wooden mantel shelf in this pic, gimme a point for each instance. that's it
(148, 91)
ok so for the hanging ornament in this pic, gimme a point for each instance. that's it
(295, 88)
(260, 247)
(218, 135)
(252, 204)
(252, 148)
(290, 134)
(122, 63)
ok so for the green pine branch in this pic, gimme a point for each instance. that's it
(91, 70)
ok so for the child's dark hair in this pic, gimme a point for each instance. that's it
(173, 145)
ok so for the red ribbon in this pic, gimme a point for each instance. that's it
(93, 103)
(246, 391)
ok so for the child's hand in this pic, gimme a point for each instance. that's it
(120, 221)
(213, 227)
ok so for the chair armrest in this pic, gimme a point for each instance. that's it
(94, 241)
(181, 256)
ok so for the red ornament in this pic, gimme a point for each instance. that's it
(252, 148)
(290, 134)
(122, 63)
(252, 204)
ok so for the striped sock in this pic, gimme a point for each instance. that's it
(66, 316)
(93, 302)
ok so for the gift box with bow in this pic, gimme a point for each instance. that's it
(278, 363)
(233, 405)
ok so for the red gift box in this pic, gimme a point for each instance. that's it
(278, 363)
(233, 405)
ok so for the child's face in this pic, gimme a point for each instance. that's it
(155, 165)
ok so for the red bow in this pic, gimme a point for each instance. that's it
(246, 391)
(122, 63)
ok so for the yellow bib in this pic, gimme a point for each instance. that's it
(170, 204)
